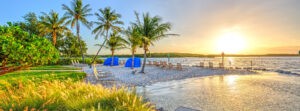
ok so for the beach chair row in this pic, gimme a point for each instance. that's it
(210, 65)
(165, 65)
(99, 73)
(76, 63)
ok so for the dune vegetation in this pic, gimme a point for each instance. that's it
(52, 89)
(68, 95)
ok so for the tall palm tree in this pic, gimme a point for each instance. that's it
(115, 42)
(151, 29)
(52, 24)
(133, 41)
(77, 14)
(108, 20)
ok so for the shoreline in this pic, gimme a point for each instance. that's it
(121, 76)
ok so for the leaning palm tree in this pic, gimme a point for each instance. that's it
(151, 29)
(133, 41)
(76, 14)
(53, 25)
(108, 20)
(115, 42)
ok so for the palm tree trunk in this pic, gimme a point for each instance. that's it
(100, 47)
(77, 31)
(144, 63)
(112, 57)
(132, 62)
(54, 37)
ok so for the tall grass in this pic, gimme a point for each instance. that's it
(68, 95)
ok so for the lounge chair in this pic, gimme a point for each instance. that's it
(210, 65)
(221, 65)
(156, 63)
(72, 62)
(171, 66)
(179, 66)
(164, 64)
(95, 71)
(150, 63)
(201, 64)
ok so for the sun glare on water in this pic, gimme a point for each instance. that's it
(231, 42)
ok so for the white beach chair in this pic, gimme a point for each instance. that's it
(164, 64)
(210, 65)
(221, 65)
(72, 62)
(150, 63)
(95, 71)
(171, 66)
(201, 64)
(179, 66)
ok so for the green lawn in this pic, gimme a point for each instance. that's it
(39, 76)
(54, 67)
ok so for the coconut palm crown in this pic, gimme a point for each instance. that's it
(53, 25)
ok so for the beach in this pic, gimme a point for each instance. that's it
(123, 76)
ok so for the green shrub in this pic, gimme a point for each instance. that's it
(68, 95)
(68, 61)
(18, 47)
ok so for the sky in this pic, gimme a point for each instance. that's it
(204, 26)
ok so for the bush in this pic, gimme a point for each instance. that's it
(68, 95)
(18, 47)
(68, 61)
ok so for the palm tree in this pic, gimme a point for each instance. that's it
(53, 25)
(108, 20)
(133, 41)
(76, 14)
(151, 30)
(115, 42)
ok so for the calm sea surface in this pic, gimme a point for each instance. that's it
(265, 91)
(272, 63)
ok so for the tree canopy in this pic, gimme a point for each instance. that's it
(18, 47)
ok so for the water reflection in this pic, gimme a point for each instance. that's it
(228, 92)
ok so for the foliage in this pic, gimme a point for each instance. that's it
(115, 42)
(54, 67)
(108, 20)
(52, 24)
(77, 14)
(68, 95)
(68, 61)
(20, 48)
(30, 25)
(133, 38)
(151, 29)
(69, 46)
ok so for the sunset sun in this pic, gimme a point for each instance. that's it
(231, 42)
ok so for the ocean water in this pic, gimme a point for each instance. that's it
(259, 92)
(291, 64)
(266, 91)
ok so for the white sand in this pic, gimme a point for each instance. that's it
(122, 76)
